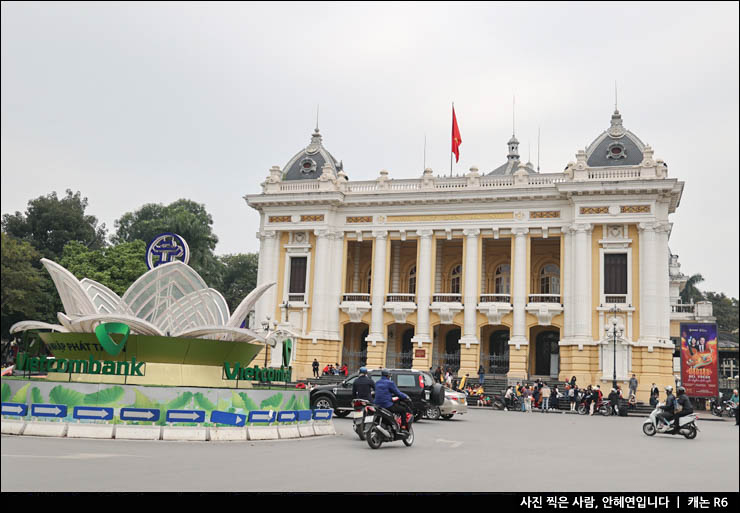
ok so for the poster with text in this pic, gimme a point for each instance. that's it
(699, 360)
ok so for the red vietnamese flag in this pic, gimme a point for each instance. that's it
(456, 138)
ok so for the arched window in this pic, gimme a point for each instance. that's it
(550, 279)
(455, 276)
(412, 280)
(502, 279)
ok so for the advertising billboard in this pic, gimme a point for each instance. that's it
(699, 359)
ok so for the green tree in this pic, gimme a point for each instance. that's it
(116, 267)
(188, 219)
(726, 311)
(21, 283)
(49, 223)
(238, 277)
(690, 293)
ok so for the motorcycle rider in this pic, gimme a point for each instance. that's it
(670, 405)
(686, 408)
(385, 389)
(363, 386)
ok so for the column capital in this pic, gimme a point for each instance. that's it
(663, 227)
(380, 234)
(520, 231)
(322, 232)
(425, 234)
(582, 227)
(267, 234)
(647, 227)
(471, 232)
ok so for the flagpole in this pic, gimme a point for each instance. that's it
(452, 124)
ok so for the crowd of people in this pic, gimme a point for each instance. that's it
(329, 370)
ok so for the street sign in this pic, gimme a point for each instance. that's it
(261, 416)
(287, 416)
(20, 409)
(186, 416)
(48, 410)
(304, 415)
(322, 414)
(92, 413)
(231, 419)
(140, 414)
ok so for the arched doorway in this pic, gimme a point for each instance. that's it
(400, 352)
(354, 347)
(547, 353)
(451, 356)
(498, 352)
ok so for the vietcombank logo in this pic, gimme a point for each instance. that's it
(89, 366)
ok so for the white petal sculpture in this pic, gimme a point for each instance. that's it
(171, 299)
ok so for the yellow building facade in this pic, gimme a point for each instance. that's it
(523, 273)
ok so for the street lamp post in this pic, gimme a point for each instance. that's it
(615, 331)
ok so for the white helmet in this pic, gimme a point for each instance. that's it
(669, 389)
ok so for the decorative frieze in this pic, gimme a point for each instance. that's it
(280, 219)
(594, 210)
(635, 209)
(358, 219)
(451, 217)
(545, 214)
(312, 218)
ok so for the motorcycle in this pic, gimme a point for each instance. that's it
(601, 408)
(360, 419)
(386, 426)
(654, 424)
(726, 407)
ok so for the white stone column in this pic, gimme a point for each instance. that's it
(470, 300)
(519, 288)
(268, 262)
(663, 299)
(567, 259)
(423, 288)
(378, 294)
(321, 285)
(582, 283)
(335, 294)
(648, 285)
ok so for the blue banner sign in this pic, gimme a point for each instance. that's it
(20, 409)
(322, 414)
(261, 416)
(304, 415)
(92, 413)
(48, 410)
(230, 419)
(186, 416)
(140, 414)
(287, 416)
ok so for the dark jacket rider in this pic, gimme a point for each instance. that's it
(385, 390)
(363, 386)
(686, 408)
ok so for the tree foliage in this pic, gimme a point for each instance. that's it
(49, 223)
(188, 219)
(691, 293)
(21, 283)
(238, 277)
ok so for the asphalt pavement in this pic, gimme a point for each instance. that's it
(483, 451)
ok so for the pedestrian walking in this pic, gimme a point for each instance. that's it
(545, 392)
(633, 385)
(572, 397)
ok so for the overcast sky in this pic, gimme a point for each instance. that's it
(144, 102)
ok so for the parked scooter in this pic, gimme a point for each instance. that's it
(386, 427)
(722, 408)
(654, 424)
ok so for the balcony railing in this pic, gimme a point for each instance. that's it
(618, 300)
(356, 296)
(296, 298)
(683, 308)
(400, 298)
(495, 298)
(544, 298)
(447, 298)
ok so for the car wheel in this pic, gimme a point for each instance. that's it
(433, 413)
(448, 417)
(437, 395)
(648, 429)
(322, 403)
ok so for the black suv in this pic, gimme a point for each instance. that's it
(418, 385)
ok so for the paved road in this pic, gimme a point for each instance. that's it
(481, 451)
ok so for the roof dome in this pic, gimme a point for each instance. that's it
(308, 163)
(616, 146)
